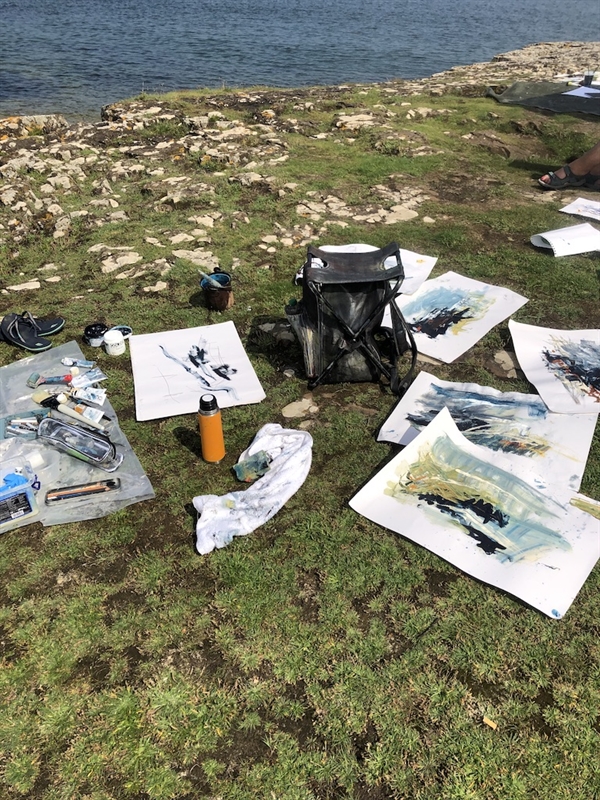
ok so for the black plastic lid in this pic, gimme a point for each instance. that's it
(208, 403)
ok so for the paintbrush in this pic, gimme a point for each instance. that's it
(82, 490)
(213, 283)
(57, 404)
(35, 379)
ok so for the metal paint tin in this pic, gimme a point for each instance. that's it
(94, 334)
(218, 299)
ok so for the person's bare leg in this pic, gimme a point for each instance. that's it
(588, 163)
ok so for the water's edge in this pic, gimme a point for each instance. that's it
(540, 61)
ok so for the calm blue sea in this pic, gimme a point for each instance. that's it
(74, 56)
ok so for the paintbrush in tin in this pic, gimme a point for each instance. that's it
(213, 283)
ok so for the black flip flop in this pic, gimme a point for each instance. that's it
(17, 329)
(44, 327)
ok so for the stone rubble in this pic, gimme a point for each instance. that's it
(45, 162)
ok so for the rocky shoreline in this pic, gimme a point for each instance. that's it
(45, 162)
(541, 61)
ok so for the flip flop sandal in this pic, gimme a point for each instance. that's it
(555, 182)
(44, 327)
(17, 330)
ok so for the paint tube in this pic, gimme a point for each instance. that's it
(93, 414)
(88, 378)
(78, 362)
(90, 395)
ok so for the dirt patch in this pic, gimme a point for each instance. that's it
(543, 700)
(481, 689)
(463, 188)
(307, 598)
(440, 583)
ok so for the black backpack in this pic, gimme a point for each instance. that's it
(338, 320)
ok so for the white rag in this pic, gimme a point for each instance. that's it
(239, 513)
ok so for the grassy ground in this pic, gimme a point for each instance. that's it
(321, 657)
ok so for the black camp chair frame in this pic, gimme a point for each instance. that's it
(355, 269)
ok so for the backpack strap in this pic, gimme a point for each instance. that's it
(403, 340)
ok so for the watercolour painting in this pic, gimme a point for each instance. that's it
(465, 504)
(582, 207)
(417, 267)
(564, 366)
(449, 314)
(172, 369)
(520, 426)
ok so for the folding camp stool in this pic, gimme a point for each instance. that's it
(343, 302)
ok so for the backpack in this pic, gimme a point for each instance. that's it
(338, 322)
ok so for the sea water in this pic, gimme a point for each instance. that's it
(77, 55)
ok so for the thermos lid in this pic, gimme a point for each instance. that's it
(208, 404)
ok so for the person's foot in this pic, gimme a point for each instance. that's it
(561, 179)
(592, 181)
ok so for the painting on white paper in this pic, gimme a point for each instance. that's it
(583, 207)
(449, 314)
(417, 267)
(518, 425)
(465, 504)
(173, 368)
(564, 366)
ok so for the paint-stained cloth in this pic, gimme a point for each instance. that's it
(239, 513)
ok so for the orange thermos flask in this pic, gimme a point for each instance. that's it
(211, 429)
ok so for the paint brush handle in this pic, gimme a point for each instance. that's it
(58, 379)
(69, 412)
(82, 490)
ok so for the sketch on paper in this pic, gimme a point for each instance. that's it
(444, 309)
(212, 372)
(466, 504)
(564, 366)
(518, 425)
(173, 368)
(449, 314)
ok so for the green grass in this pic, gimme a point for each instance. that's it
(321, 657)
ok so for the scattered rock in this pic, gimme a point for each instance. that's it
(25, 287)
(299, 408)
(504, 364)
(159, 286)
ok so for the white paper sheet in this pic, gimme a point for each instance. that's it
(449, 314)
(172, 369)
(569, 241)
(518, 425)
(584, 208)
(564, 366)
(585, 91)
(464, 504)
